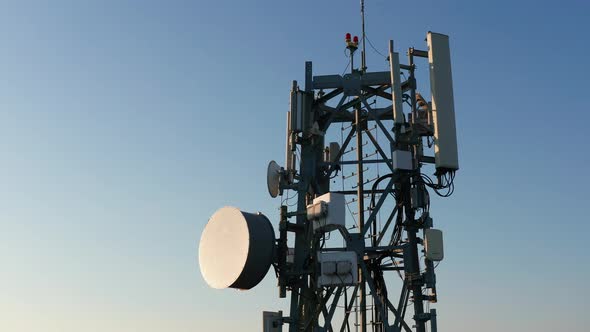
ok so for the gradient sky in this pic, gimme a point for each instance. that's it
(125, 124)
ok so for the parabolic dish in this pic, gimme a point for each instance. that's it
(236, 249)
(273, 176)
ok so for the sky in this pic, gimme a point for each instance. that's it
(125, 124)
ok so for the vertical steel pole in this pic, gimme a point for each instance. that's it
(364, 51)
(433, 326)
(412, 260)
(282, 250)
(361, 213)
(351, 61)
(300, 301)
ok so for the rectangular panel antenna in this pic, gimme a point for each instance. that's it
(296, 109)
(396, 90)
(443, 105)
(288, 149)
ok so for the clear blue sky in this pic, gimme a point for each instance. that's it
(125, 124)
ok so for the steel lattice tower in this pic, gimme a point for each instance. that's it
(319, 276)
(405, 184)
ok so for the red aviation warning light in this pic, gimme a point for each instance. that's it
(352, 45)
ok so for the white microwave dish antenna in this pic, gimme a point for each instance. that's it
(273, 178)
(236, 249)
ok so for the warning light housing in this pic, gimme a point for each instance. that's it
(352, 45)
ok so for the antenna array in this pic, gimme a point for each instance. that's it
(391, 127)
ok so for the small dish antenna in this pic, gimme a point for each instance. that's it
(273, 178)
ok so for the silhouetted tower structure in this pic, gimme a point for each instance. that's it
(385, 121)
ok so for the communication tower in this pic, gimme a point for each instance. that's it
(388, 129)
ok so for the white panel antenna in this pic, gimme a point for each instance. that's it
(297, 109)
(289, 154)
(443, 105)
(396, 91)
